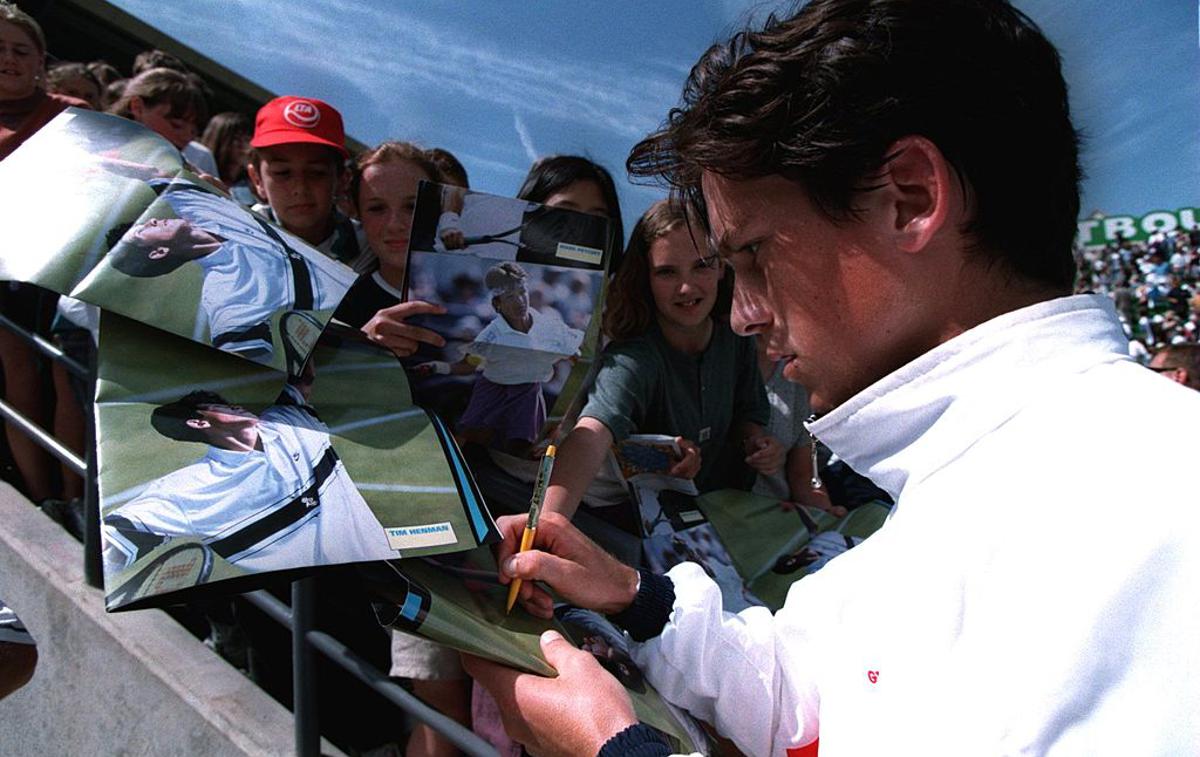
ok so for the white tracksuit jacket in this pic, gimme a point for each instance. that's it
(1036, 591)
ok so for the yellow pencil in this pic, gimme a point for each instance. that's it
(535, 510)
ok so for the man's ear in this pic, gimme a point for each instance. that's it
(198, 423)
(920, 192)
(137, 107)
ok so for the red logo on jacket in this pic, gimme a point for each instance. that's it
(873, 676)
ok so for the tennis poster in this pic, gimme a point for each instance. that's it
(131, 231)
(213, 469)
(521, 284)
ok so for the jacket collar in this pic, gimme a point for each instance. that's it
(910, 423)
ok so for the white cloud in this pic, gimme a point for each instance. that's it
(531, 151)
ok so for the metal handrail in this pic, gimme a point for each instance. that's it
(49, 349)
(299, 619)
(44, 439)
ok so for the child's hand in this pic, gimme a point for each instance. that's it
(388, 328)
(453, 239)
(765, 454)
(689, 460)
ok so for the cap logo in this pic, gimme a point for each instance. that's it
(302, 114)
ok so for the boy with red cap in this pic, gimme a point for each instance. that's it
(297, 163)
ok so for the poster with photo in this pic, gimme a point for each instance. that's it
(214, 469)
(134, 233)
(522, 287)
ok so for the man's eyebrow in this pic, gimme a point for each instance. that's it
(726, 245)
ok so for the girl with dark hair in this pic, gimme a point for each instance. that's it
(227, 135)
(167, 101)
(577, 183)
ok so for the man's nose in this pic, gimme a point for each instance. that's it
(749, 314)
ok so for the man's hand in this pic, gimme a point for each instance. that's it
(574, 566)
(765, 454)
(388, 328)
(688, 464)
(573, 714)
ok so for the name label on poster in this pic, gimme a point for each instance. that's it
(579, 253)
(1094, 232)
(429, 535)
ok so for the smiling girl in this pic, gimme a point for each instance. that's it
(384, 186)
(674, 367)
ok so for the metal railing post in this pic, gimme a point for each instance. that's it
(93, 568)
(304, 678)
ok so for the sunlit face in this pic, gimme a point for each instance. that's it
(387, 195)
(178, 129)
(584, 196)
(20, 62)
(299, 181)
(821, 295)
(682, 280)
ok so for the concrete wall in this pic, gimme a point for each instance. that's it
(131, 683)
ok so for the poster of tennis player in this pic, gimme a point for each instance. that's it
(521, 286)
(146, 239)
(215, 469)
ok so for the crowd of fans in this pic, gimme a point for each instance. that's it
(359, 206)
(1155, 285)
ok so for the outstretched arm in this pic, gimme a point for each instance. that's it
(579, 457)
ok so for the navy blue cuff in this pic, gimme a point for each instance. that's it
(651, 608)
(638, 740)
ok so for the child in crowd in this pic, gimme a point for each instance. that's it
(74, 80)
(674, 367)
(384, 189)
(669, 345)
(576, 183)
(453, 172)
(297, 162)
(531, 234)
(167, 101)
(227, 135)
(796, 483)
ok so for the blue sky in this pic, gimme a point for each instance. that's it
(499, 83)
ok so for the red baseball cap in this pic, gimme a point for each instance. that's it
(289, 119)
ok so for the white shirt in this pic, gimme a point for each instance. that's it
(517, 357)
(249, 279)
(1031, 593)
(226, 491)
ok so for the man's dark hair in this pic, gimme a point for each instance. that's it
(132, 257)
(819, 97)
(171, 419)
